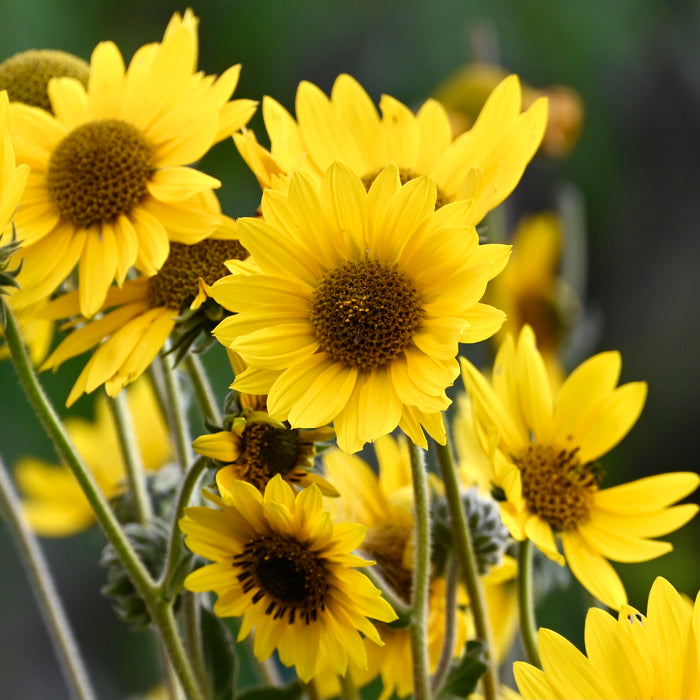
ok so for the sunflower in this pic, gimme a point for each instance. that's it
(656, 656)
(257, 447)
(13, 177)
(544, 451)
(54, 503)
(281, 564)
(383, 502)
(484, 164)
(110, 185)
(354, 302)
(140, 316)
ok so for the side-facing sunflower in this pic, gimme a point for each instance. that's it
(383, 503)
(13, 177)
(354, 302)
(283, 565)
(256, 447)
(544, 449)
(635, 656)
(484, 164)
(54, 503)
(140, 316)
(111, 184)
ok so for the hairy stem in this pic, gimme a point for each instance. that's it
(526, 603)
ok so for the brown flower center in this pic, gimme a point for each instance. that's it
(290, 579)
(405, 175)
(26, 75)
(556, 485)
(364, 313)
(99, 171)
(176, 283)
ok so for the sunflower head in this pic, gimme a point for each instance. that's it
(26, 75)
(283, 565)
(255, 448)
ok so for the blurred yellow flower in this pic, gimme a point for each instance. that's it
(635, 656)
(544, 448)
(54, 503)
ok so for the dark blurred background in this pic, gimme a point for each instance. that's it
(635, 65)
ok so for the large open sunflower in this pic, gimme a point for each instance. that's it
(288, 570)
(544, 449)
(635, 656)
(111, 185)
(354, 302)
(484, 164)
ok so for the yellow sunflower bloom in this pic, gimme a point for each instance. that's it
(13, 177)
(258, 447)
(485, 164)
(288, 570)
(657, 656)
(354, 302)
(54, 503)
(544, 450)
(383, 502)
(111, 185)
(140, 316)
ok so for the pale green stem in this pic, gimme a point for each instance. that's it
(176, 414)
(421, 577)
(348, 689)
(45, 592)
(132, 459)
(526, 603)
(146, 587)
(448, 642)
(202, 389)
(467, 560)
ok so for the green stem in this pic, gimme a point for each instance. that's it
(348, 689)
(202, 389)
(46, 595)
(144, 584)
(172, 558)
(132, 459)
(467, 560)
(421, 577)
(448, 643)
(526, 603)
(176, 414)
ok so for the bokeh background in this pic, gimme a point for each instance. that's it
(636, 166)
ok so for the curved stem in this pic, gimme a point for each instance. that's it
(45, 592)
(202, 389)
(132, 459)
(400, 607)
(448, 643)
(526, 603)
(467, 560)
(143, 582)
(176, 414)
(421, 577)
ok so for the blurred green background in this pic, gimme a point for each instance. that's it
(634, 63)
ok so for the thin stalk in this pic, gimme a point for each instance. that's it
(348, 689)
(421, 577)
(176, 414)
(467, 561)
(202, 389)
(448, 642)
(45, 591)
(132, 459)
(526, 603)
(144, 584)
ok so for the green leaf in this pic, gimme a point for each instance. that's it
(294, 691)
(219, 656)
(463, 678)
